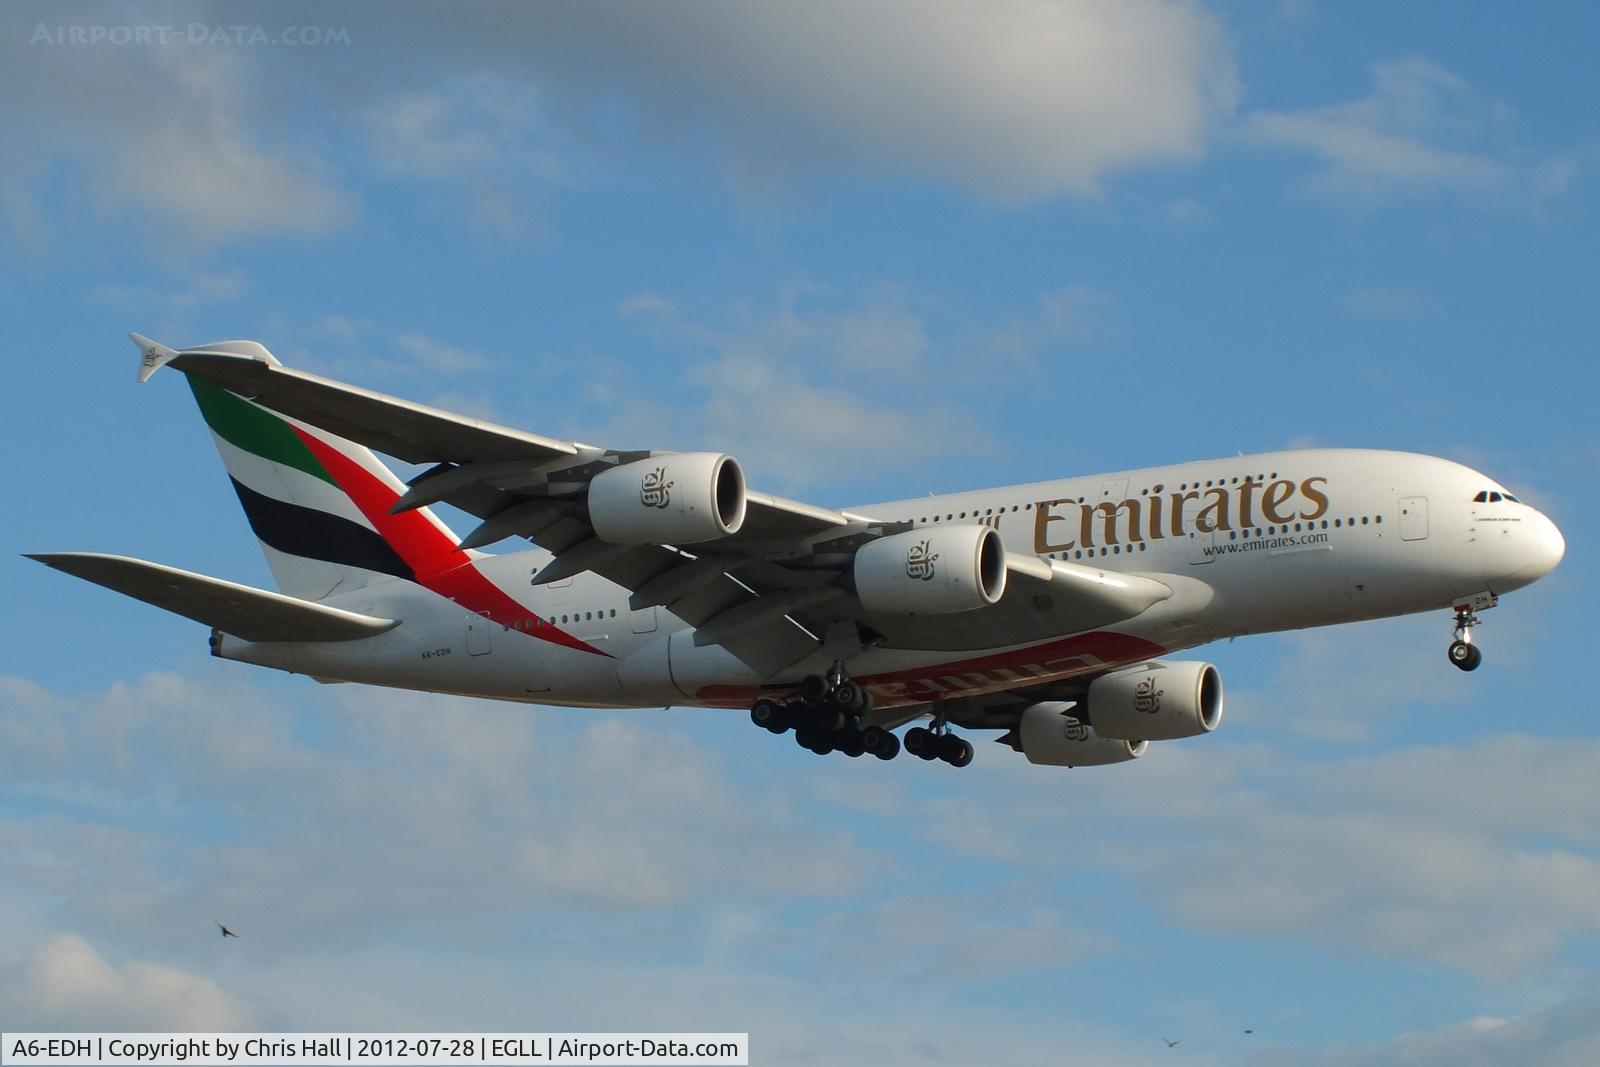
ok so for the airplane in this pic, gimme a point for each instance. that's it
(1046, 611)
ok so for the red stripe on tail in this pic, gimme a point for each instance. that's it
(433, 556)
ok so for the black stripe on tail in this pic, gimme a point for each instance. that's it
(302, 531)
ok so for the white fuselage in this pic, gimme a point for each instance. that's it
(1248, 544)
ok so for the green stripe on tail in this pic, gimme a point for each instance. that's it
(257, 431)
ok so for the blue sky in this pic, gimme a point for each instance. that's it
(873, 252)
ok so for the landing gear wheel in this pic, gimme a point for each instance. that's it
(814, 689)
(850, 696)
(956, 751)
(922, 743)
(852, 744)
(1465, 656)
(880, 742)
(830, 720)
(769, 715)
(1463, 653)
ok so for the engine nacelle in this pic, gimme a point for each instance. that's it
(932, 572)
(1049, 734)
(677, 499)
(1156, 701)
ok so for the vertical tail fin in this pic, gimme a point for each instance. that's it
(319, 504)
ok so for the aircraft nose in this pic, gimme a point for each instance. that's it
(1547, 546)
(1520, 553)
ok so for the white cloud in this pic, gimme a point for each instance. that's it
(439, 358)
(172, 311)
(67, 985)
(1479, 856)
(662, 858)
(355, 348)
(617, 816)
(946, 939)
(172, 134)
(1015, 100)
(1564, 1036)
(1312, 691)
(803, 388)
(1422, 129)
(485, 135)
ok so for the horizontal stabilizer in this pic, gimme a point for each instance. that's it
(241, 610)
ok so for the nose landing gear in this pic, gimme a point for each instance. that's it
(1462, 652)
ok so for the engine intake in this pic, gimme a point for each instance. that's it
(1156, 701)
(932, 572)
(1049, 734)
(676, 499)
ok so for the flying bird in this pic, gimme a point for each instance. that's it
(1170, 1043)
(1248, 1030)
(226, 933)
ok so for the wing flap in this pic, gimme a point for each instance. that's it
(241, 610)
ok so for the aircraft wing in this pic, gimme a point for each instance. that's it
(775, 593)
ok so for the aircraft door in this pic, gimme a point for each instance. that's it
(644, 620)
(1201, 543)
(1413, 518)
(478, 639)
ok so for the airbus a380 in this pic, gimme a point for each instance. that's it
(1044, 611)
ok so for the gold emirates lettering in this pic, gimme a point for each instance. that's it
(1136, 519)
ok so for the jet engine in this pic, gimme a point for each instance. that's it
(1049, 734)
(932, 572)
(676, 499)
(1156, 701)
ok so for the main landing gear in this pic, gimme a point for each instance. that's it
(1463, 653)
(825, 714)
(938, 743)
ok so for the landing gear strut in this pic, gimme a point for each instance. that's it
(1462, 652)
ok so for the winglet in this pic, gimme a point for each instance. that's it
(153, 355)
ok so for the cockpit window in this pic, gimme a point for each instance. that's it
(1513, 499)
(1481, 498)
(1494, 498)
